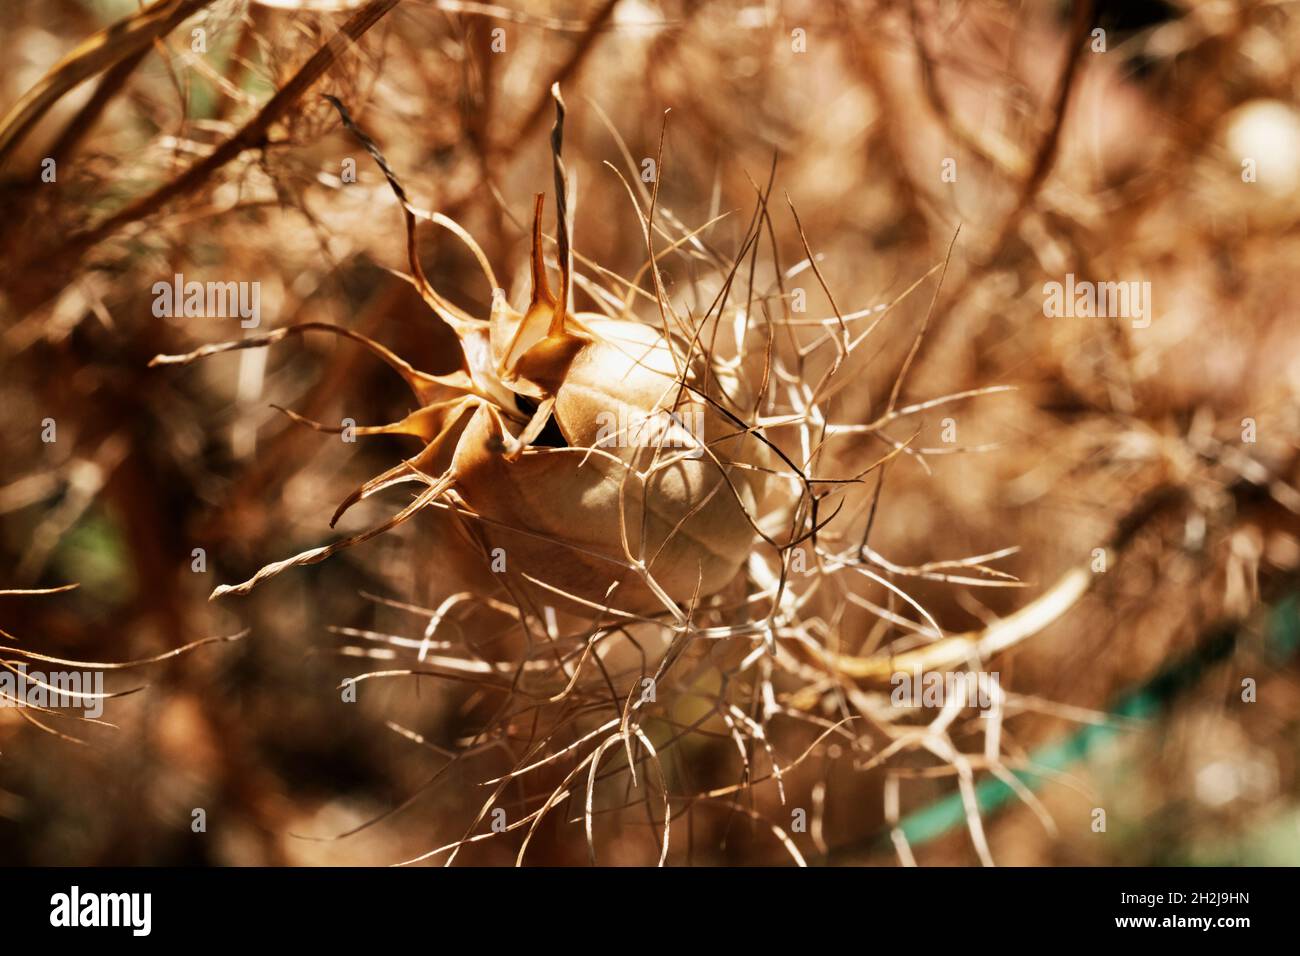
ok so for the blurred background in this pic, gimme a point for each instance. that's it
(1149, 141)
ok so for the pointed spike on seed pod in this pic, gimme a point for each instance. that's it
(542, 294)
(561, 213)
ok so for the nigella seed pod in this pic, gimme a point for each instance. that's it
(652, 492)
(608, 461)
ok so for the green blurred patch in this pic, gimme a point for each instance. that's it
(94, 553)
(1274, 841)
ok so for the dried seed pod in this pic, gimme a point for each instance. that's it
(652, 476)
(603, 461)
